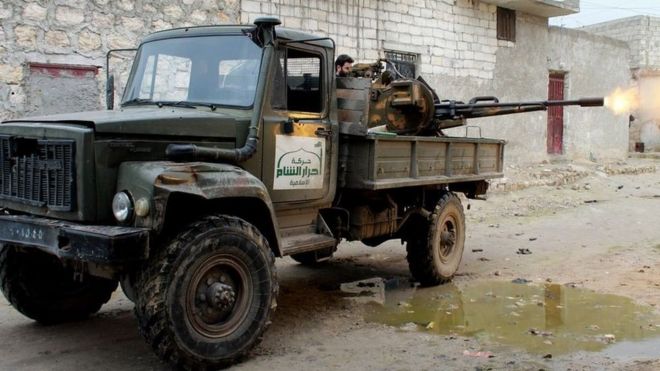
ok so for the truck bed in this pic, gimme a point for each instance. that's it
(376, 162)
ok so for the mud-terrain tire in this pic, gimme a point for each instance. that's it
(435, 250)
(205, 298)
(40, 287)
(312, 258)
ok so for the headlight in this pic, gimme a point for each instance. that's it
(122, 206)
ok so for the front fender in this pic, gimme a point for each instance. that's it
(158, 181)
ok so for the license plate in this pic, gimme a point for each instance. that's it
(26, 233)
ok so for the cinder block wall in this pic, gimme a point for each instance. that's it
(455, 38)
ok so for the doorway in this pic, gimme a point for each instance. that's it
(556, 86)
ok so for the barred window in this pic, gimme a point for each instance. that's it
(404, 62)
(506, 24)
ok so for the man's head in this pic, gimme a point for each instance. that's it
(343, 65)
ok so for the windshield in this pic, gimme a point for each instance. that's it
(216, 70)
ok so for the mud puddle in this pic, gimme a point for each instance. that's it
(547, 319)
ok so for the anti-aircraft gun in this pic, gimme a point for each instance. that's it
(411, 107)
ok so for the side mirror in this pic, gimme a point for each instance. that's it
(110, 92)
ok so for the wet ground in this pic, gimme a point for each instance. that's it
(587, 253)
(548, 319)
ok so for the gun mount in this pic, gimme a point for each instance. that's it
(407, 106)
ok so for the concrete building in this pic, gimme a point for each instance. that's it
(642, 34)
(52, 56)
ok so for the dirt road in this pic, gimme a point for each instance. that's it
(591, 234)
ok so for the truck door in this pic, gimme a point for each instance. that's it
(297, 132)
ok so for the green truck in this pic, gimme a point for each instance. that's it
(233, 145)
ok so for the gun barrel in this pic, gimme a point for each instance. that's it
(458, 110)
(582, 102)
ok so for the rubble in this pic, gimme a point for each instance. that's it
(562, 174)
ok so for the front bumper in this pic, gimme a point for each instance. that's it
(86, 243)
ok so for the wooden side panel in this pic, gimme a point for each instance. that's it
(489, 159)
(352, 100)
(431, 158)
(382, 163)
(356, 163)
(392, 159)
(462, 157)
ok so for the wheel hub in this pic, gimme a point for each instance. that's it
(220, 297)
(447, 238)
(216, 297)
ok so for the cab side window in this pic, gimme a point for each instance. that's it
(297, 85)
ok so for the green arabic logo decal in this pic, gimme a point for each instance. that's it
(299, 168)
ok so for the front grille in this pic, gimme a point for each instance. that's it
(38, 172)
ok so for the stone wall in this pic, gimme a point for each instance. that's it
(642, 33)
(78, 32)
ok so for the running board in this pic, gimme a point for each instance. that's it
(306, 242)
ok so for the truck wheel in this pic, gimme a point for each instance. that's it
(435, 250)
(40, 287)
(206, 298)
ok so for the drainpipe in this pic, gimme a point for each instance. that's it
(192, 152)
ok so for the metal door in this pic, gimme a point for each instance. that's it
(556, 114)
(298, 133)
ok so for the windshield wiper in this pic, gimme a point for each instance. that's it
(137, 101)
(177, 104)
(185, 104)
(212, 106)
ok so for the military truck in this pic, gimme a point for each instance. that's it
(233, 145)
